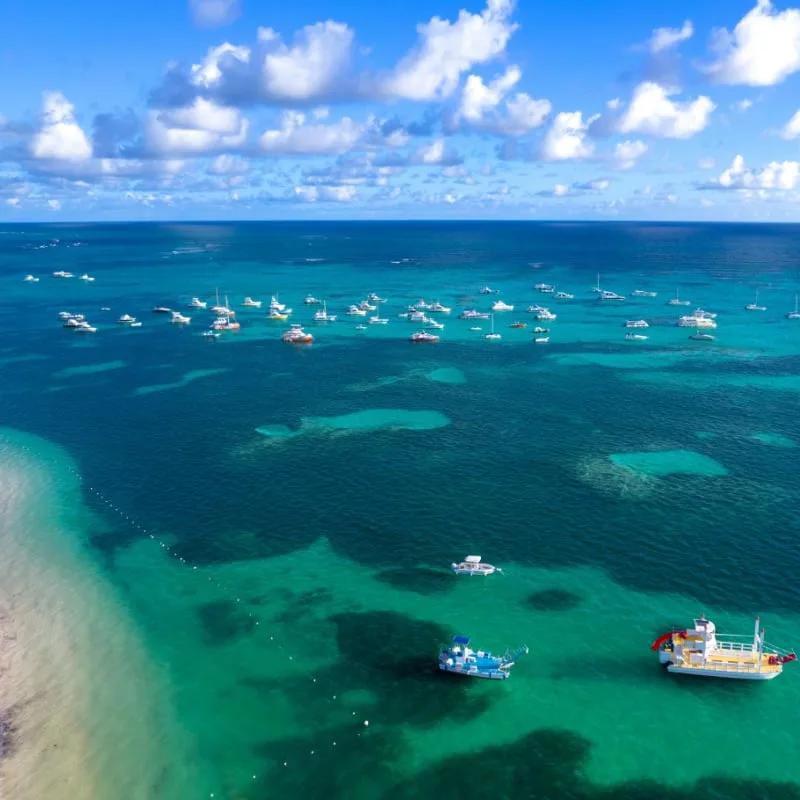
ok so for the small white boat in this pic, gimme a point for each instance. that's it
(471, 313)
(435, 325)
(135, 325)
(796, 313)
(702, 337)
(563, 296)
(311, 300)
(472, 565)
(538, 329)
(360, 327)
(355, 311)
(499, 305)
(273, 303)
(162, 310)
(546, 315)
(30, 279)
(536, 309)
(541, 339)
(635, 337)
(421, 305)
(87, 278)
(180, 319)
(211, 334)
(61, 274)
(72, 322)
(423, 336)
(126, 319)
(676, 301)
(755, 306)
(250, 303)
(492, 335)
(364, 305)
(85, 327)
(701, 651)
(545, 288)
(373, 298)
(596, 289)
(418, 316)
(604, 295)
(323, 316)
(439, 308)
(476, 328)
(643, 293)
(196, 302)
(64, 315)
(376, 320)
(636, 323)
(487, 290)
(697, 320)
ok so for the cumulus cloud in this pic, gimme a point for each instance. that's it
(742, 105)
(54, 205)
(652, 112)
(226, 164)
(777, 175)
(60, 137)
(567, 138)
(446, 50)
(667, 38)
(213, 13)
(201, 128)
(330, 194)
(351, 170)
(294, 136)
(628, 153)
(707, 162)
(792, 128)
(762, 50)
(576, 189)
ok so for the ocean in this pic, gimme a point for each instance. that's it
(224, 562)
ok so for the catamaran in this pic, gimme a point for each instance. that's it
(755, 306)
(796, 313)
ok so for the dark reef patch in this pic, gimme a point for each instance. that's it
(553, 600)
(422, 580)
(222, 622)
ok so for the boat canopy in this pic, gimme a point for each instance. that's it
(473, 559)
(461, 640)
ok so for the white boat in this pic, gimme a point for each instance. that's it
(273, 303)
(30, 279)
(423, 336)
(499, 305)
(702, 337)
(597, 289)
(546, 315)
(377, 320)
(323, 316)
(85, 327)
(180, 319)
(311, 300)
(471, 313)
(135, 325)
(162, 310)
(476, 328)
(642, 293)
(373, 298)
(79, 317)
(355, 311)
(492, 334)
(487, 290)
(636, 323)
(697, 320)
(87, 278)
(126, 319)
(635, 337)
(296, 335)
(563, 296)
(71, 322)
(211, 334)
(418, 316)
(439, 308)
(604, 295)
(472, 565)
(676, 301)
(462, 660)
(64, 315)
(539, 329)
(534, 309)
(701, 651)
(196, 302)
(421, 305)
(250, 303)
(61, 274)
(796, 313)
(360, 327)
(755, 306)
(435, 325)
(541, 339)
(227, 321)
(544, 288)
(364, 305)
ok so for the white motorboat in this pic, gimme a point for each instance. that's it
(355, 311)
(87, 278)
(435, 325)
(250, 303)
(635, 337)
(323, 316)
(30, 279)
(563, 296)
(62, 274)
(273, 303)
(539, 329)
(535, 309)
(541, 339)
(492, 334)
(476, 328)
(373, 298)
(642, 293)
(162, 310)
(378, 320)
(472, 565)
(755, 306)
(676, 301)
(360, 327)
(211, 334)
(487, 290)
(311, 300)
(196, 302)
(546, 315)
(421, 305)
(697, 320)
(499, 305)
(126, 319)
(423, 336)
(604, 295)
(71, 322)
(65, 315)
(636, 323)
(85, 327)
(701, 651)
(544, 288)
(439, 308)
(180, 319)
(471, 313)
(702, 337)
(796, 313)
(418, 316)
(364, 305)
(135, 325)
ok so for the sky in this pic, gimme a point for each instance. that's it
(443, 109)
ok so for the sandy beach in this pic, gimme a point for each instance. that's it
(85, 714)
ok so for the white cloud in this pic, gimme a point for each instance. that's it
(671, 198)
(627, 153)
(560, 190)
(567, 138)
(226, 164)
(312, 66)
(652, 112)
(445, 50)
(202, 127)
(59, 138)
(778, 175)
(294, 137)
(334, 194)
(762, 50)
(667, 38)
(742, 105)
(792, 128)
(13, 202)
(708, 162)
(614, 104)
(54, 205)
(213, 13)
(479, 106)
(225, 57)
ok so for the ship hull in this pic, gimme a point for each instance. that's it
(718, 673)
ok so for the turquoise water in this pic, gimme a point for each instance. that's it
(276, 522)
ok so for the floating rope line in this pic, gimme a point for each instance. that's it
(359, 727)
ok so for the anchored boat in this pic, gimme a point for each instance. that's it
(458, 657)
(701, 651)
(472, 565)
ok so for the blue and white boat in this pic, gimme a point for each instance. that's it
(459, 658)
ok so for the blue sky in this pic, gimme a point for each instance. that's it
(238, 109)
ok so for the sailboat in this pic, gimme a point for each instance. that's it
(597, 288)
(755, 306)
(224, 322)
(492, 335)
(323, 315)
(676, 301)
(796, 313)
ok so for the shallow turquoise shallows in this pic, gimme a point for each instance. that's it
(225, 561)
